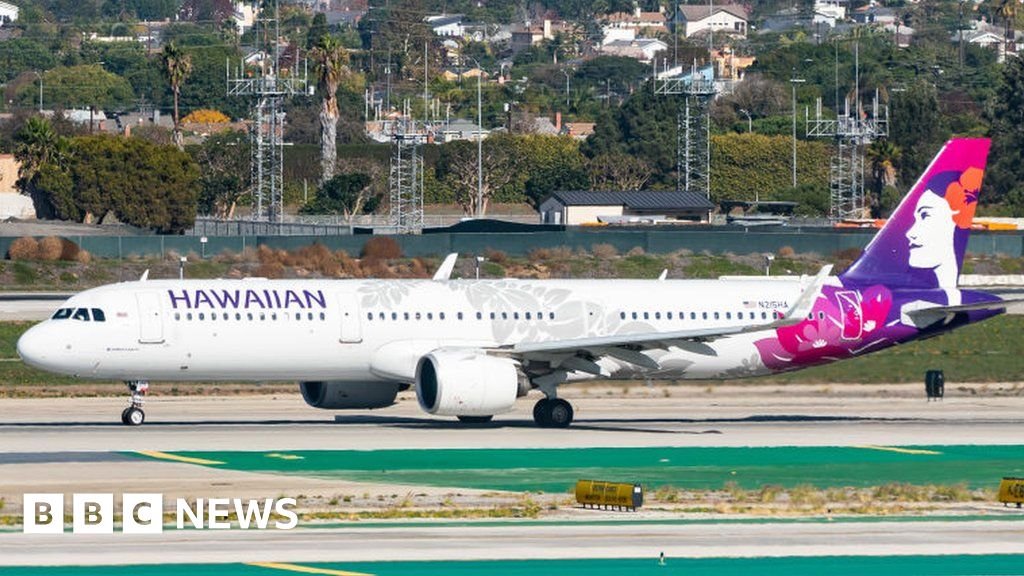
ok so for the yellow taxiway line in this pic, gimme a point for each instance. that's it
(900, 450)
(177, 458)
(304, 569)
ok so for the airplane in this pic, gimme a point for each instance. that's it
(472, 347)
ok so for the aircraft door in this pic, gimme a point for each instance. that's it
(351, 325)
(151, 324)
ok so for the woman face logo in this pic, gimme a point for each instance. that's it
(931, 236)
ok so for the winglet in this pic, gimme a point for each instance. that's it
(805, 303)
(444, 272)
(145, 276)
(664, 274)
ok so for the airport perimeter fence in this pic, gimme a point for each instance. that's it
(710, 240)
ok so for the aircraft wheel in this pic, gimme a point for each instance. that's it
(559, 413)
(124, 415)
(540, 412)
(134, 416)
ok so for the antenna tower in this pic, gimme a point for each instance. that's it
(693, 125)
(267, 85)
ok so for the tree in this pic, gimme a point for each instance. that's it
(883, 157)
(916, 127)
(80, 87)
(39, 150)
(317, 30)
(344, 194)
(331, 60)
(617, 171)
(458, 168)
(1005, 179)
(177, 65)
(223, 161)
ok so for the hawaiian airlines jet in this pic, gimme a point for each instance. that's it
(471, 348)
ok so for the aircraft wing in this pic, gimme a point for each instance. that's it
(626, 346)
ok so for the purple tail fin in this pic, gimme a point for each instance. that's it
(923, 243)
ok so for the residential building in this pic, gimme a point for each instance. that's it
(874, 14)
(578, 130)
(13, 204)
(829, 12)
(8, 13)
(579, 207)
(982, 33)
(529, 34)
(642, 49)
(448, 25)
(244, 16)
(630, 25)
(699, 19)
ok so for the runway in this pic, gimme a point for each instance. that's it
(76, 445)
(689, 415)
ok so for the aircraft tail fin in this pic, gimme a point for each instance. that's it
(922, 244)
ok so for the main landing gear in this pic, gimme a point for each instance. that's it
(133, 414)
(552, 413)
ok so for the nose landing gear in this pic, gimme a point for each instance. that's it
(133, 414)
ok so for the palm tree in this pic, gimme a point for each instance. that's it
(1007, 10)
(177, 67)
(37, 146)
(884, 158)
(331, 61)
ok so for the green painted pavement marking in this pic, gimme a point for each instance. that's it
(814, 565)
(556, 470)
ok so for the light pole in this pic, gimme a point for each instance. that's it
(750, 122)
(793, 80)
(479, 143)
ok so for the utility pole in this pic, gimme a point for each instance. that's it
(793, 80)
(566, 72)
(40, 77)
(750, 121)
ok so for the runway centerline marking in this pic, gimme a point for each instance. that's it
(177, 458)
(900, 450)
(304, 569)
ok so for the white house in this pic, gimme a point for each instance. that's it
(446, 25)
(829, 12)
(575, 208)
(642, 49)
(8, 13)
(244, 16)
(727, 18)
(614, 34)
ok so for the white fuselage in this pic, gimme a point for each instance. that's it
(376, 330)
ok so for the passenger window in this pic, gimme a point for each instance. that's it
(764, 315)
(418, 316)
(213, 315)
(728, 315)
(515, 315)
(202, 316)
(693, 316)
(551, 315)
(405, 315)
(369, 315)
(669, 315)
(441, 315)
(62, 314)
(704, 315)
(459, 315)
(323, 316)
(504, 315)
(249, 316)
(394, 315)
(634, 316)
(493, 316)
(430, 315)
(716, 315)
(657, 315)
(98, 315)
(479, 316)
(177, 315)
(273, 316)
(528, 316)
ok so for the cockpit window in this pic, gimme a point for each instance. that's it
(63, 314)
(81, 314)
(98, 315)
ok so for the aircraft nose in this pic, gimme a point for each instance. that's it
(32, 346)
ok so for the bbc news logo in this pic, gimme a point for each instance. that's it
(144, 514)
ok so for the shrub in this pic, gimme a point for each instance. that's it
(83, 257)
(540, 254)
(786, 252)
(381, 247)
(496, 256)
(68, 250)
(24, 248)
(50, 249)
(604, 251)
(636, 251)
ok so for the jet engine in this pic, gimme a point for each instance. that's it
(466, 383)
(334, 395)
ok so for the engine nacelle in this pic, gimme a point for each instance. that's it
(466, 383)
(334, 395)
